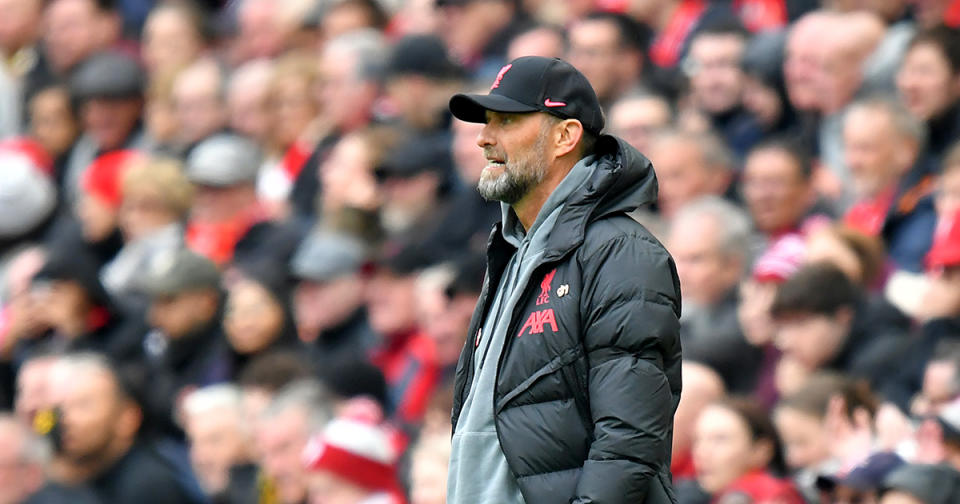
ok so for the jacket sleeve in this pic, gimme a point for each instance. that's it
(630, 315)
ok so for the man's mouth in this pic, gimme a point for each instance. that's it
(492, 161)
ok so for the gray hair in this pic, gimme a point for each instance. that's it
(214, 398)
(369, 49)
(309, 396)
(732, 223)
(33, 449)
(713, 151)
(904, 123)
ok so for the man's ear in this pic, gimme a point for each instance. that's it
(568, 135)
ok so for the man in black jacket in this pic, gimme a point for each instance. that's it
(566, 389)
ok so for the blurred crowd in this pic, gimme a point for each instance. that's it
(241, 242)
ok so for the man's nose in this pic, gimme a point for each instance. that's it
(485, 138)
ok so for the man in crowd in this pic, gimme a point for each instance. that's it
(636, 118)
(199, 102)
(777, 187)
(710, 241)
(608, 49)
(420, 77)
(689, 165)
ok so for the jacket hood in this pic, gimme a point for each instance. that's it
(621, 179)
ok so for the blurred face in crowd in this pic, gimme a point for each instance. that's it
(448, 326)
(812, 339)
(280, 442)
(344, 17)
(248, 99)
(636, 119)
(198, 102)
(217, 442)
(875, 153)
(716, 79)
(110, 121)
(180, 314)
(707, 271)
(328, 488)
(926, 82)
(776, 192)
(598, 52)
(724, 450)
(543, 42)
(939, 388)
(33, 388)
(468, 158)
(408, 200)
(702, 386)
(260, 34)
(215, 204)
(52, 121)
(805, 438)
(515, 146)
(75, 29)
(683, 173)
(801, 66)
(254, 319)
(169, 40)
(97, 422)
(142, 212)
(762, 101)
(753, 311)
(390, 302)
(19, 24)
(467, 26)
(98, 219)
(19, 477)
(320, 306)
(65, 306)
(293, 108)
(344, 97)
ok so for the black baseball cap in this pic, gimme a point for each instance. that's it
(535, 84)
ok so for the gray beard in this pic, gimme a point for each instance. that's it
(519, 176)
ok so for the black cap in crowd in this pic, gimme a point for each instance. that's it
(535, 84)
(423, 55)
(418, 155)
(108, 74)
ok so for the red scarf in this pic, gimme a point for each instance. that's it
(666, 48)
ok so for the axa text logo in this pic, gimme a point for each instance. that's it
(537, 320)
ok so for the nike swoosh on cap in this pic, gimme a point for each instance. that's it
(550, 103)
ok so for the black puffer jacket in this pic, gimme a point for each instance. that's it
(589, 378)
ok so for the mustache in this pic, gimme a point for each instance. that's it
(489, 153)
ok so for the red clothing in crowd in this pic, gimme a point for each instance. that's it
(216, 240)
(409, 364)
(763, 488)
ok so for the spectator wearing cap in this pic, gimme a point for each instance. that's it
(218, 435)
(824, 323)
(862, 483)
(892, 189)
(155, 201)
(688, 166)
(28, 194)
(53, 123)
(199, 100)
(927, 83)
(353, 461)
(284, 429)
(350, 69)
(477, 32)
(76, 311)
(716, 82)
(636, 117)
(921, 484)
(711, 259)
(404, 353)
(108, 88)
(258, 317)
(186, 347)
(415, 179)
(173, 38)
(293, 109)
(226, 210)
(420, 78)
(103, 442)
(329, 298)
(608, 48)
